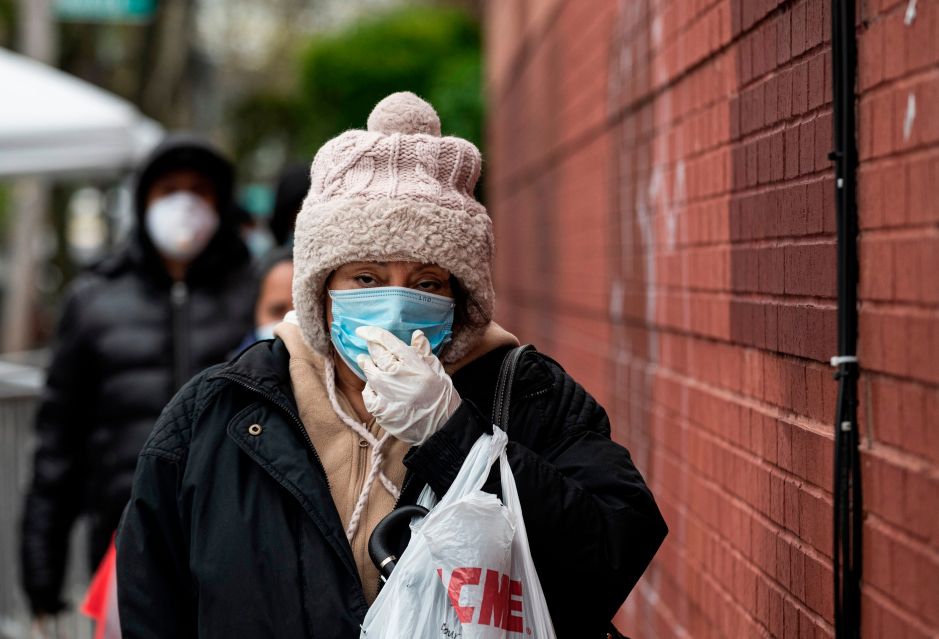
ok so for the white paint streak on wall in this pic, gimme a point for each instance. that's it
(910, 117)
(910, 14)
(674, 204)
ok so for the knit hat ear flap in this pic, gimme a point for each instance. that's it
(396, 192)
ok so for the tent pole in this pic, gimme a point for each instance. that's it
(38, 39)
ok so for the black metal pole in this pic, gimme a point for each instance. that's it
(848, 515)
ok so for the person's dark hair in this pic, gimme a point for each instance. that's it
(464, 301)
(266, 264)
(292, 186)
(270, 260)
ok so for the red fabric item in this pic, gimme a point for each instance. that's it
(100, 600)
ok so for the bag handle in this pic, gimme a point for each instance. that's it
(503, 396)
(500, 417)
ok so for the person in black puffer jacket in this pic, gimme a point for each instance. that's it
(133, 330)
(264, 478)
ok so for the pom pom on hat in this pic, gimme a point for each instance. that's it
(405, 113)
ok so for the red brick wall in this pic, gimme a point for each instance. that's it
(664, 216)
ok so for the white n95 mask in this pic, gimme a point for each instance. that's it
(180, 225)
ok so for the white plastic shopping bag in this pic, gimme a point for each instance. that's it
(467, 572)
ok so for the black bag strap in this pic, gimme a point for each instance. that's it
(500, 416)
(503, 396)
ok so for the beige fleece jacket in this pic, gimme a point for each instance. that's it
(346, 457)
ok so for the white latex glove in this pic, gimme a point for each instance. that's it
(408, 392)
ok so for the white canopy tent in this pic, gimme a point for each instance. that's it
(52, 123)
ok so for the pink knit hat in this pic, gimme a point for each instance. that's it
(396, 192)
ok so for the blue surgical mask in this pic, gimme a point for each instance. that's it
(265, 331)
(400, 311)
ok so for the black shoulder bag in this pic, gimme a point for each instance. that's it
(500, 415)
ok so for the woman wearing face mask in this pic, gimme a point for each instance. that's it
(176, 299)
(257, 493)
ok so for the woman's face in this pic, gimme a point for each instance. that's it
(428, 278)
(276, 296)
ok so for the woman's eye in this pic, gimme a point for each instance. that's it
(366, 280)
(429, 285)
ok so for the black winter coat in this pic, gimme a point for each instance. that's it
(230, 534)
(127, 340)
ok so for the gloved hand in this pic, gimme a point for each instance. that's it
(408, 392)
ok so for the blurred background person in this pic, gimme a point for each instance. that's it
(275, 297)
(176, 299)
(292, 186)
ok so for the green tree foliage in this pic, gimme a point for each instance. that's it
(7, 23)
(432, 51)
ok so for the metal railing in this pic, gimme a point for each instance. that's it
(21, 379)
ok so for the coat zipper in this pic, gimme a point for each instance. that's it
(179, 300)
(289, 412)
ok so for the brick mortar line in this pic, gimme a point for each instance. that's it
(781, 241)
(874, 374)
(770, 242)
(899, 536)
(919, 153)
(809, 115)
(619, 113)
(558, 154)
(550, 161)
(870, 444)
(913, 149)
(726, 48)
(581, 140)
(777, 531)
(772, 411)
(575, 310)
(728, 598)
(808, 239)
(912, 619)
(918, 231)
(770, 580)
(761, 464)
(730, 295)
(780, 532)
(909, 310)
(610, 120)
(899, 458)
(767, 187)
(899, 82)
(898, 7)
(903, 82)
(884, 452)
(755, 405)
(628, 322)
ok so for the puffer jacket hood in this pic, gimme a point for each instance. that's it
(183, 150)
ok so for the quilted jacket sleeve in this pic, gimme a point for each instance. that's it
(592, 522)
(154, 587)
